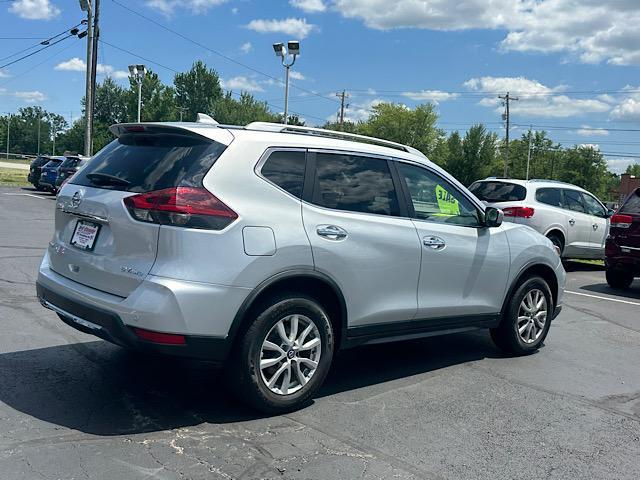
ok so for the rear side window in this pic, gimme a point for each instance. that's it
(151, 160)
(573, 201)
(286, 169)
(354, 183)
(549, 196)
(632, 205)
(498, 191)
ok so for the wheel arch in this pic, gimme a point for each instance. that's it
(306, 281)
(532, 270)
(558, 232)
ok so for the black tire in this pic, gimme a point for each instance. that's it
(619, 279)
(247, 379)
(506, 335)
(557, 241)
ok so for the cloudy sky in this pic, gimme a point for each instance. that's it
(573, 64)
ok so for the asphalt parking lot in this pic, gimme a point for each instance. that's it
(74, 407)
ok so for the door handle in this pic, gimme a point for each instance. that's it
(595, 226)
(435, 243)
(331, 232)
(572, 222)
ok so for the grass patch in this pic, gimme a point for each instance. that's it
(13, 178)
(19, 161)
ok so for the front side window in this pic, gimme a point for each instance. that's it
(573, 201)
(286, 169)
(435, 199)
(549, 196)
(593, 206)
(354, 183)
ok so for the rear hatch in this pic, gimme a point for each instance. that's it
(625, 225)
(97, 241)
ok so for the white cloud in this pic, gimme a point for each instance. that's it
(434, 96)
(34, 9)
(234, 10)
(628, 107)
(3, 74)
(357, 112)
(246, 47)
(241, 83)
(589, 30)
(534, 98)
(309, 6)
(587, 131)
(30, 97)
(168, 7)
(296, 27)
(76, 64)
(619, 165)
(295, 75)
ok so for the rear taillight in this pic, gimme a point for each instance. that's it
(522, 212)
(190, 207)
(621, 221)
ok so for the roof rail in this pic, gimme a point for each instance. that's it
(321, 132)
(551, 181)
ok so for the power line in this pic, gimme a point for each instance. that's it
(37, 51)
(215, 52)
(557, 127)
(171, 69)
(43, 42)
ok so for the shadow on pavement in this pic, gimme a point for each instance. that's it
(101, 389)
(575, 266)
(632, 292)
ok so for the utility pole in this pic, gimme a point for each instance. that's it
(181, 110)
(39, 133)
(529, 153)
(8, 129)
(86, 6)
(342, 96)
(94, 65)
(506, 117)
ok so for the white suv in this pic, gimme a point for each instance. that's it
(572, 218)
(270, 247)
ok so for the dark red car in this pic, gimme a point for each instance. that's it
(622, 251)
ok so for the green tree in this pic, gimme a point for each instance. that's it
(197, 91)
(633, 169)
(242, 111)
(110, 103)
(414, 127)
(476, 157)
(585, 167)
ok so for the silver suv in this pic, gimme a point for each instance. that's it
(270, 247)
(572, 218)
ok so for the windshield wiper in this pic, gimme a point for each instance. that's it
(106, 179)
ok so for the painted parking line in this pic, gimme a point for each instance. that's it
(603, 298)
(25, 195)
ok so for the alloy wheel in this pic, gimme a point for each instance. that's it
(532, 316)
(290, 354)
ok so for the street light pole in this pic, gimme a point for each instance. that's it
(293, 49)
(137, 73)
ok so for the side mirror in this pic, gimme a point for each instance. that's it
(493, 217)
(609, 213)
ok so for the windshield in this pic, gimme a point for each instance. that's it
(498, 191)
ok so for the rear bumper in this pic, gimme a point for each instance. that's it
(627, 263)
(202, 313)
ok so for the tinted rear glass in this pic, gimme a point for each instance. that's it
(498, 191)
(40, 161)
(632, 205)
(53, 163)
(550, 196)
(286, 169)
(69, 162)
(152, 160)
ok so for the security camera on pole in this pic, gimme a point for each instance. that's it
(138, 72)
(293, 50)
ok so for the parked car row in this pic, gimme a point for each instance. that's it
(571, 217)
(48, 173)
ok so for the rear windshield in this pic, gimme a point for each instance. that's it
(69, 162)
(632, 205)
(38, 162)
(53, 163)
(498, 191)
(151, 160)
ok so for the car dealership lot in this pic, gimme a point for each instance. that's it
(73, 406)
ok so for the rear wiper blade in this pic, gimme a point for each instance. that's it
(106, 179)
